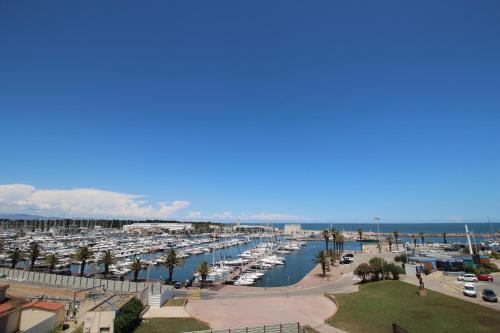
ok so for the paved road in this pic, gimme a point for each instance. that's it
(342, 285)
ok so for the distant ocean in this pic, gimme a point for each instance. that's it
(402, 227)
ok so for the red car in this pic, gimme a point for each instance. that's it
(485, 277)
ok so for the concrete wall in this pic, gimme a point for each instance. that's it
(95, 320)
(37, 321)
(9, 322)
(79, 282)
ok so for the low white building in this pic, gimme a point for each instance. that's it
(165, 226)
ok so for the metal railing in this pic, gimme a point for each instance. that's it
(276, 328)
(80, 282)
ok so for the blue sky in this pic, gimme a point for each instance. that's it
(282, 110)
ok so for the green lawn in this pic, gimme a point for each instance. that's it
(379, 304)
(170, 325)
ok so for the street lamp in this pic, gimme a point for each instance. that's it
(377, 219)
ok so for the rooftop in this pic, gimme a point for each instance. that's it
(4, 307)
(45, 305)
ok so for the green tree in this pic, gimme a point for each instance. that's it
(203, 269)
(172, 260)
(363, 271)
(107, 259)
(444, 238)
(34, 252)
(322, 259)
(389, 240)
(135, 267)
(395, 270)
(128, 317)
(16, 256)
(326, 237)
(83, 254)
(378, 268)
(360, 234)
(414, 239)
(396, 237)
(51, 260)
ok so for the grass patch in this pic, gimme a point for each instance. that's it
(170, 325)
(176, 302)
(379, 304)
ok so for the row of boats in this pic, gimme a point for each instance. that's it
(251, 265)
(124, 246)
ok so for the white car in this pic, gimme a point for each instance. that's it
(467, 278)
(469, 290)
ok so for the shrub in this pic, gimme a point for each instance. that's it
(395, 270)
(401, 258)
(128, 318)
(495, 255)
(363, 271)
(377, 265)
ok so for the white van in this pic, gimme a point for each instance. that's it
(469, 290)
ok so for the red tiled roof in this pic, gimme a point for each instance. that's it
(45, 305)
(4, 307)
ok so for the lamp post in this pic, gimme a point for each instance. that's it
(377, 219)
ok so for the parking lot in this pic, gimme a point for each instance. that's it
(449, 285)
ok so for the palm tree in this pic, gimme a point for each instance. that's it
(107, 259)
(33, 253)
(322, 258)
(396, 237)
(171, 261)
(444, 238)
(135, 267)
(82, 255)
(326, 237)
(422, 236)
(389, 239)
(203, 269)
(360, 233)
(2, 244)
(334, 241)
(414, 238)
(51, 260)
(15, 256)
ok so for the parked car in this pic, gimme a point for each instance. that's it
(485, 277)
(469, 290)
(189, 283)
(349, 255)
(177, 285)
(489, 296)
(467, 278)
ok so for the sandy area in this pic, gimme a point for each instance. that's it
(241, 312)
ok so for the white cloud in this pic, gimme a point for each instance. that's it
(194, 215)
(82, 202)
(223, 216)
(258, 217)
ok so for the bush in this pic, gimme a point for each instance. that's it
(378, 268)
(488, 268)
(495, 255)
(401, 258)
(395, 270)
(377, 265)
(128, 318)
(363, 271)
